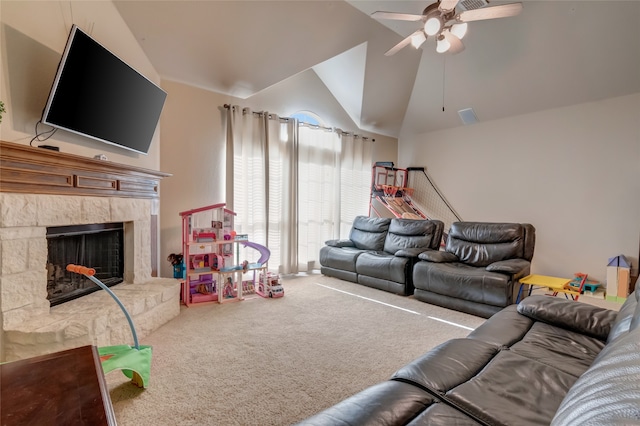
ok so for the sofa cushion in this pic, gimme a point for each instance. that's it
(410, 233)
(464, 282)
(513, 390)
(608, 393)
(341, 258)
(576, 316)
(448, 365)
(517, 267)
(441, 414)
(629, 311)
(492, 383)
(481, 244)
(504, 328)
(369, 233)
(566, 350)
(386, 403)
(382, 265)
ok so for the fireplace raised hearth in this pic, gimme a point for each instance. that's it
(99, 246)
(114, 207)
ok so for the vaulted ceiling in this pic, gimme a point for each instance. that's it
(554, 54)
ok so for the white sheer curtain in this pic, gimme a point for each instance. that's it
(264, 189)
(294, 187)
(355, 179)
(319, 203)
(247, 142)
(282, 195)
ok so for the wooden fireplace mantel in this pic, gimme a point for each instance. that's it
(26, 169)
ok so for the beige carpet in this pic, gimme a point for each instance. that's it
(278, 361)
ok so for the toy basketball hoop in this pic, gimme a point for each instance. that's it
(389, 191)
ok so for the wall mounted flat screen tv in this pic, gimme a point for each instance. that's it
(96, 94)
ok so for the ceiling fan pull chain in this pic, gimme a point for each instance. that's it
(444, 69)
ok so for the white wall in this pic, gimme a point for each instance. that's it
(193, 150)
(193, 143)
(574, 173)
(34, 34)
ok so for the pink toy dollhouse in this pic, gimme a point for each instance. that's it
(214, 272)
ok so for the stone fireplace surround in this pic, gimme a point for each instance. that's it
(40, 189)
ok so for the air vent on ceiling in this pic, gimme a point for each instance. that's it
(472, 4)
(468, 116)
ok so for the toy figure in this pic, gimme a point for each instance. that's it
(175, 259)
(228, 289)
(178, 265)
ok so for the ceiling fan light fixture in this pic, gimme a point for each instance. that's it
(417, 39)
(443, 45)
(432, 25)
(459, 30)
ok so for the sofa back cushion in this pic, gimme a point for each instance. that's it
(412, 233)
(628, 317)
(368, 233)
(483, 243)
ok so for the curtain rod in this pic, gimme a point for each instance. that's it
(314, 126)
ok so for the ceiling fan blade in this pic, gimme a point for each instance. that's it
(405, 42)
(447, 5)
(456, 44)
(396, 16)
(502, 11)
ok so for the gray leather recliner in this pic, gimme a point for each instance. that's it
(479, 268)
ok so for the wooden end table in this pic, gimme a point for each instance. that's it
(63, 388)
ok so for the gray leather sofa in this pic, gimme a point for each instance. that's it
(478, 270)
(545, 361)
(381, 252)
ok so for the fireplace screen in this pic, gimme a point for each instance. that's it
(98, 246)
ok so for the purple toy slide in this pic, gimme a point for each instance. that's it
(265, 253)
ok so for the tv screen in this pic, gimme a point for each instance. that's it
(96, 94)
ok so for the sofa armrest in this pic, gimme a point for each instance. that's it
(510, 266)
(438, 256)
(409, 252)
(575, 316)
(340, 243)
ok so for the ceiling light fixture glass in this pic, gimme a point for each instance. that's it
(443, 45)
(459, 30)
(417, 39)
(433, 25)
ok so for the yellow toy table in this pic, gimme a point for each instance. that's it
(556, 285)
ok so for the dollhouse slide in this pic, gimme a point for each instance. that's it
(265, 253)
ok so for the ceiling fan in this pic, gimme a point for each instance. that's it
(440, 20)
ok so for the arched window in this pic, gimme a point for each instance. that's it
(309, 118)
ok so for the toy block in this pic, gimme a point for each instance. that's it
(618, 277)
(624, 280)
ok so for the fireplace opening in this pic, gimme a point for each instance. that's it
(97, 246)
